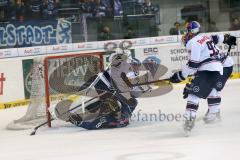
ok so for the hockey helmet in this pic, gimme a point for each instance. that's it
(192, 29)
(117, 58)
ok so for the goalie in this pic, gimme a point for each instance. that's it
(116, 99)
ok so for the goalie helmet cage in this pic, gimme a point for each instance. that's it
(55, 78)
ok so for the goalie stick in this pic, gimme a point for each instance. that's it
(44, 123)
(150, 82)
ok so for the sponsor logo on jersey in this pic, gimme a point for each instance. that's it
(2, 79)
(203, 39)
(196, 89)
(102, 120)
(219, 84)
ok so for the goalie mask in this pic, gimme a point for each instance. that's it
(192, 29)
(117, 58)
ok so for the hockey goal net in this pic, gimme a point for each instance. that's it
(53, 79)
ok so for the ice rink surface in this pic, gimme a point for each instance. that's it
(153, 140)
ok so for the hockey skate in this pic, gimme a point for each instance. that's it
(210, 118)
(188, 125)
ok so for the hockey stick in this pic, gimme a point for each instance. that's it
(136, 85)
(44, 123)
(229, 49)
(226, 55)
(150, 82)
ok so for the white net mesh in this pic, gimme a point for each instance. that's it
(66, 75)
(36, 112)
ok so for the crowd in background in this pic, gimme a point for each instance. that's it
(21, 10)
(73, 10)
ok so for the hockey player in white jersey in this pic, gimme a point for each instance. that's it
(206, 66)
(214, 102)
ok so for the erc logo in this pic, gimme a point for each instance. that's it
(2, 79)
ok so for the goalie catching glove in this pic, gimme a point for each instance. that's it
(177, 77)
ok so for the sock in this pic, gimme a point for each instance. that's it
(214, 104)
(191, 110)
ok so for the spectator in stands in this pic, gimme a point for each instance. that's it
(235, 25)
(149, 8)
(109, 5)
(4, 2)
(130, 33)
(175, 30)
(50, 9)
(36, 8)
(105, 34)
(84, 6)
(5, 10)
(118, 11)
(20, 10)
(2, 16)
(73, 3)
(99, 9)
(213, 27)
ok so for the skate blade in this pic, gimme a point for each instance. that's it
(212, 122)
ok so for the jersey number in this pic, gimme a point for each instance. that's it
(212, 47)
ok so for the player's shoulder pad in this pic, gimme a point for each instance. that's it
(193, 42)
(217, 38)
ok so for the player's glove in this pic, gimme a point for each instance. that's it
(230, 40)
(177, 77)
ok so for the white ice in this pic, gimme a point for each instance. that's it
(156, 140)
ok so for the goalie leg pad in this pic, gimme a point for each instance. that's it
(61, 110)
